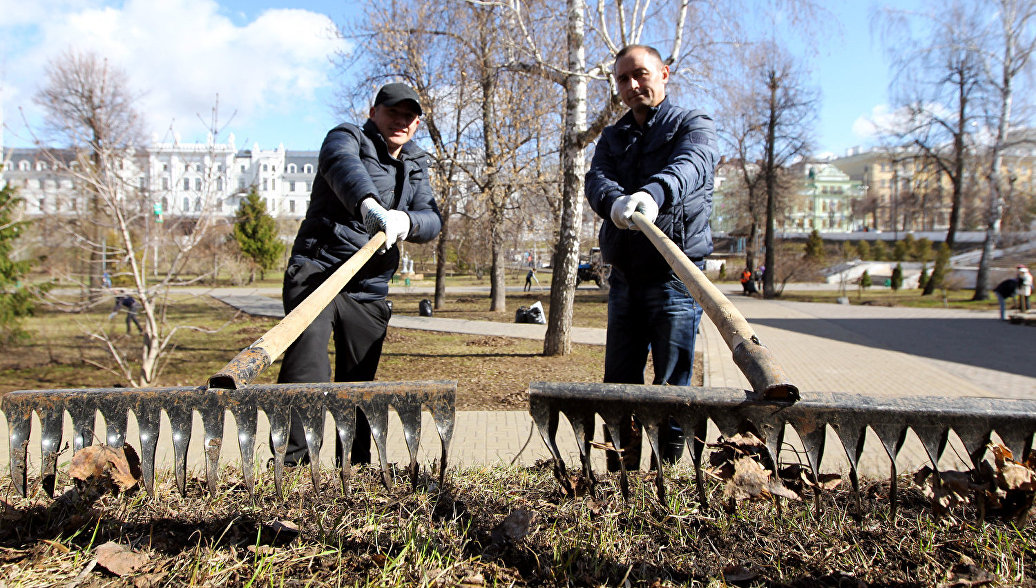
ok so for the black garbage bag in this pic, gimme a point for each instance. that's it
(424, 308)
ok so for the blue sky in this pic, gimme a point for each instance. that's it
(268, 61)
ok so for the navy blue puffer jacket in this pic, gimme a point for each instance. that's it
(673, 158)
(354, 163)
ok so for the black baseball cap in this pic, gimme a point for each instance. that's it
(392, 94)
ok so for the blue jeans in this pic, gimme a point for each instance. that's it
(661, 317)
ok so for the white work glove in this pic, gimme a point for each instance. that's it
(624, 207)
(394, 223)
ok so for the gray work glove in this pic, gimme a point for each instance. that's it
(394, 223)
(624, 207)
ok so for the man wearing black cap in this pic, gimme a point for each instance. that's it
(369, 179)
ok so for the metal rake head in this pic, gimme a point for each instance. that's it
(931, 418)
(278, 401)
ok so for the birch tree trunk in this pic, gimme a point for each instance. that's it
(558, 339)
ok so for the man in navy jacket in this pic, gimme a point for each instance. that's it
(658, 159)
(369, 179)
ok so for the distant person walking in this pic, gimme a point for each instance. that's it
(132, 306)
(530, 278)
(1024, 288)
(1005, 291)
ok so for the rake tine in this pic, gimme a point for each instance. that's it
(18, 425)
(696, 445)
(82, 422)
(651, 426)
(180, 421)
(1017, 439)
(148, 422)
(615, 422)
(376, 411)
(583, 427)
(313, 425)
(245, 416)
(546, 419)
(279, 414)
(212, 417)
(115, 425)
(344, 414)
(443, 413)
(410, 415)
(50, 446)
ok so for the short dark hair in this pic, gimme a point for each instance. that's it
(628, 48)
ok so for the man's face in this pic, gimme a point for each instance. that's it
(641, 78)
(397, 123)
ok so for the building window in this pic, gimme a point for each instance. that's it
(40, 166)
(165, 183)
(273, 184)
(165, 167)
(186, 167)
(23, 165)
(197, 184)
(186, 183)
(266, 167)
(142, 182)
(242, 168)
(308, 169)
(43, 202)
(186, 204)
(291, 205)
(197, 205)
(219, 205)
(291, 186)
(241, 183)
(165, 203)
(265, 184)
(292, 168)
(219, 184)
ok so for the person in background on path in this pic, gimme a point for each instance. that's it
(530, 278)
(1005, 291)
(659, 159)
(370, 178)
(106, 280)
(1024, 288)
(747, 284)
(131, 305)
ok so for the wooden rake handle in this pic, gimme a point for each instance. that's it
(259, 355)
(755, 361)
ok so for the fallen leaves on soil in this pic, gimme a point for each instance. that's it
(100, 469)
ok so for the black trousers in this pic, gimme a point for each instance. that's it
(359, 331)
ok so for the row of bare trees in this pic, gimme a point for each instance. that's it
(957, 67)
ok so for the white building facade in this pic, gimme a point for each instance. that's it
(176, 179)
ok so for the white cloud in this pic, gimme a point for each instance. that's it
(180, 54)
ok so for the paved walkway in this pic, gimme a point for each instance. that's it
(867, 350)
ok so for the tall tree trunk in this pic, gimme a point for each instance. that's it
(440, 261)
(558, 339)
(771, 190)
(957, 181)
(995, 179)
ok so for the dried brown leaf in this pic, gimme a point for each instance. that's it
(1015, 476)
(750, 480)
(100, 466)
(119, 559)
